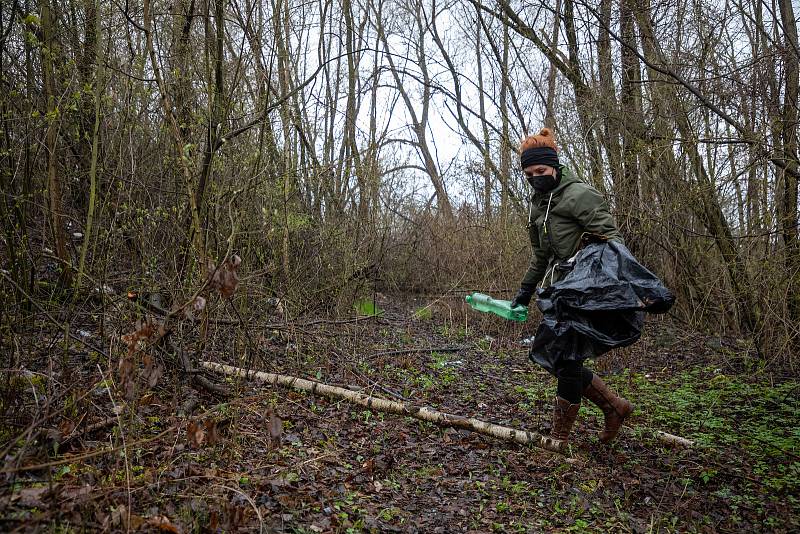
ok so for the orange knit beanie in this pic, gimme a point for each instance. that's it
(543, 139)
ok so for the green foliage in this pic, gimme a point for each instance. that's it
(447, 368)
(367, 307)
(722, 412)
(423, 314)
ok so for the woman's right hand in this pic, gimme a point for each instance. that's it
(522, 298)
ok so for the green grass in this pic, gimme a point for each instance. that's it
(755, 421)
(367, 307)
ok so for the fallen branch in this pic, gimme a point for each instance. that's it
(423, 413)
(99, 425)
(671, 439)
(196, 377)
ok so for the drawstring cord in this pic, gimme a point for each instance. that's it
(547, 212)
(544, 228)
(530, 212)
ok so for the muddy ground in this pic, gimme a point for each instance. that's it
(82, 453)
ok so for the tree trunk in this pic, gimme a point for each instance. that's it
(626, 188)
(549, 112)
(54, 184)
(789, 133)
(486, 170)
(419, 123)
(703, 200)
(216, 105)
(505, 144)
(612, 118)
(583, 100)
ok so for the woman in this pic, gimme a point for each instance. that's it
(564, 209)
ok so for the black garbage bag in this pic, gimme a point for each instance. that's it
(598, 306)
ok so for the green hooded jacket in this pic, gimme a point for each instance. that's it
(556, 222)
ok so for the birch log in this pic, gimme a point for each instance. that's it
(423, 413)
(670, 439)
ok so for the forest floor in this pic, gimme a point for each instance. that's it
(273, 460)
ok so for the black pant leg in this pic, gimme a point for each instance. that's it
(571, 376)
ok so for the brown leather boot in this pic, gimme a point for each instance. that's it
(564, 415)
(615, 408)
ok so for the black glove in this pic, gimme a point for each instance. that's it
(523, 297)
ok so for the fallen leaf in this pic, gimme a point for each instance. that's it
(126, 378)
(211, 431)
(31, 497)
(225, 279)
(152, 370)
(120, 516)
(163, 523)
(195, 434)
(275, 427)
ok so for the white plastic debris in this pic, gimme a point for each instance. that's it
(108, 290)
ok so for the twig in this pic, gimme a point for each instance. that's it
(408, 351)
(86, 456)
(125, 449)
(198, 378)
(26, 434)
(53, 319)
(379, 386)
(249, 500)
(109, 421)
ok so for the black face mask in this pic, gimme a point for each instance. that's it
(544, 182)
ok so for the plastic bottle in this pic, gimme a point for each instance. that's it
(485, 303)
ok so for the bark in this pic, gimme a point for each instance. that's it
(85, 121)
(486, 170)
(422, 413)
(350, 155)
(612, 122)
(505, 144)
(181, 148)
(182, 29)
(789, 134)
(671, 439)
(703, 200)
(99, 88)
(508, 152)
(216, 100)
(54, 183)
(373, 164)
(656, 63)
(549, 113)
(584, 97)
(626, 188)
(280, 14)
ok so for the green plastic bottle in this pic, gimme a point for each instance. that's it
(485, 303)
